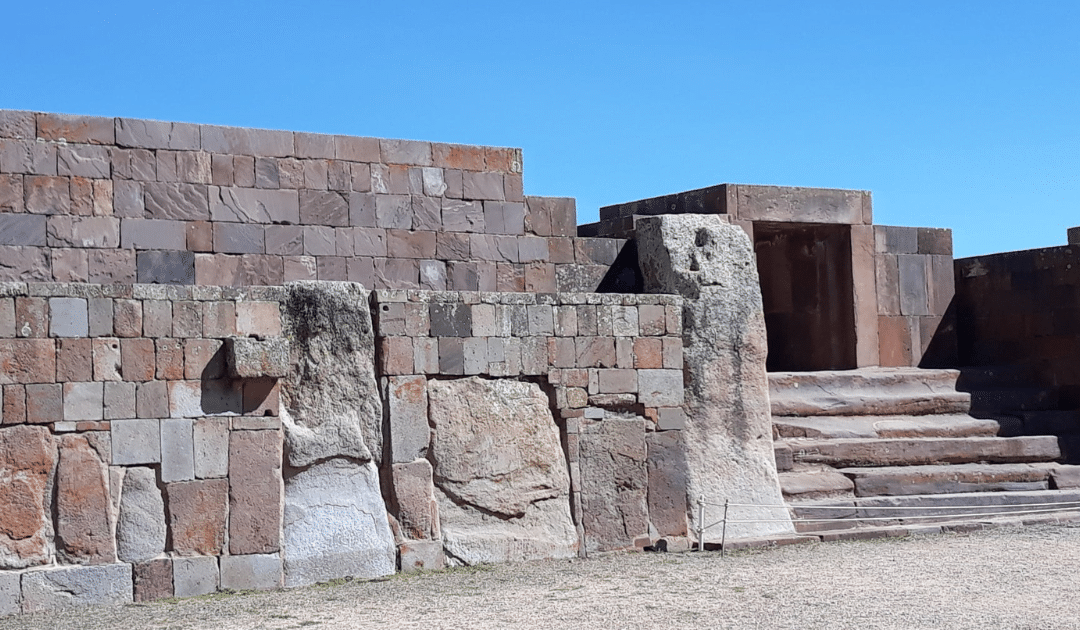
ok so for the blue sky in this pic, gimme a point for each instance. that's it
(955, 114)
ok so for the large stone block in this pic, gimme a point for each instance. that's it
(728, 434)
(135, 442)
(251, 572)
(195, 576)
(177, 450)
(153, 134)
(197, 515)
(140, 528)
(335, 524)
(421, 555)
(502, 482)
(165, 267)
(330, 399)
(614, 483)
(666, 465)
(27, 460)
(27, 360)
(409, 432)
(255, 491)
(84, 532)
(153, 580)
(22, 229)
(417, 512)
(249, 357)
(11, 592)
(76, 587)
(252, 205)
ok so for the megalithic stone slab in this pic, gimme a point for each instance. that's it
(140, 530)
(76, 587)
(728, 434)
(331, 405)
(614, 483)
(27, 460)
(83, 523)
(335, 524)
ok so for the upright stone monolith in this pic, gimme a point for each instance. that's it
(728, 434)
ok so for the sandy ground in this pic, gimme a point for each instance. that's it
(1001, 578)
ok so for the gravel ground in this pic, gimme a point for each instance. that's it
(1000, 578)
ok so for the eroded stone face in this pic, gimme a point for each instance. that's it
(687, 252)
(27, 460)
(501, 479)
(331, 403)
(495, 444)
(83, 506)
(613, 483)
(140, 531)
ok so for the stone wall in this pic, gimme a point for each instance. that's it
(118, 200)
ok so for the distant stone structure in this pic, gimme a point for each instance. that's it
(247, 359)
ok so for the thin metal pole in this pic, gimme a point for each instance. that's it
(723, 534)
(701, 523)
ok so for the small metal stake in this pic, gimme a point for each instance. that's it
(701, 523)
(723, 533)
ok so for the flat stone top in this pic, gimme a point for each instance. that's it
(475, 297)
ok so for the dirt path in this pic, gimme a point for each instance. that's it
(1001, 578)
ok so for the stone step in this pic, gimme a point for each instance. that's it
(948, 479)
(929, 508)
(815, 484)
(919, 451)
(830, 427)
(866, 392)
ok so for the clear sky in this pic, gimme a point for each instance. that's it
(958, 114)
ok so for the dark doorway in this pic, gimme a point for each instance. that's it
(805, 271)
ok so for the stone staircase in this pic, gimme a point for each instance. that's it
(881, 447)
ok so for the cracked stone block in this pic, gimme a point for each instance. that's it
(76, 587)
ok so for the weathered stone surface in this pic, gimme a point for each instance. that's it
(195, 576)
(335, 524)
(83, 519)
(197, 515)
(955, 478)
(140, 529)
(728, 434)
(918, 451)
(409, 432)
(501, 478)
(421, 555)
(76, 587)
(867, 391)
(251, 572)
(153, 580)
(666, 465)
(417, 512)
(254, 492)
(27, 459)
(613, 483)
(11, 592)
(249, 357)
(330, 400)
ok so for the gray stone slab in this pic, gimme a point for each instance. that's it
(409, 432)
(411, 152)
(17, 124)
(251, 572)
(165, 267)
(195, 576)
(914, 298)
(76, 587)
(83, 160)
(83, 401)
(140, 523)
(177, 450)
(450, 320)
(393, 211)
(177, 201)
(135, 442)
(660, 388)
(68, 317)
(484, 186)
(335, 525)
(10, 593)
(323, 208)
(154, 134)
(890, 239)
(502, 217)
(238, 238)
(239, 141)
(153, 234)
(254, 205)
(22, 229)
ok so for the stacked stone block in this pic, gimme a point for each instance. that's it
(612, 363)
(103, 200)
(915, 287)
(158, 407)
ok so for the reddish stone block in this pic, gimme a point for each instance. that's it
(127, 318)
(69, 265)
(187, 319)
(395, 356)
(31, 317)
(651, 318)
(219, 319)
(27, 361)
(261, 319)
(170, 359)
(14, 405)
(540, 278)
(76, 129)
(137, 359)
(47, 195)
(204, 359)
(407, 244)
(112, 266)
(894, 341)
(262, 397)
(93, 425)
(595, 351)
(510, 277)
(153, 580)
(648, 353)
(83, 531)
(417, 512)
(198, 512)
(82, 196)
(468, 158)
(255, 491)
(561, 352)
(27, 460)
(200, 236)
(498, 159)
(74, 360)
